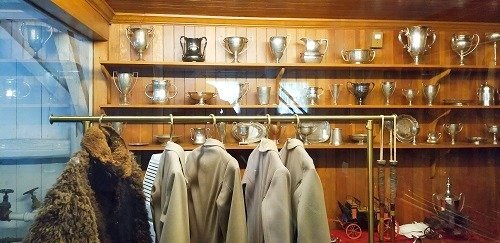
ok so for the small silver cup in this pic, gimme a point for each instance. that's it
(388, 88)
(140, 39)
(124, 82)
(220, 129)
(410, 94)
(278, 45)
(336, 136)
(243, 131)
(453, 129)
(264, 93)
(335, 92)
(430, 92)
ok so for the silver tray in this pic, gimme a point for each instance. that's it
(256, 133)
(406, 128)
(322, 132)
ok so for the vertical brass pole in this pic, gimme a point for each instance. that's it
(369, 129)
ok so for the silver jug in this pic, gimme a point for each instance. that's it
(199, 135)
(192, 49)
(160, 91)
(416, 40)
(486, 95)
(312, 47)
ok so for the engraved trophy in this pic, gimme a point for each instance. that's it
(140, 39)
(278, 45)
(335, 93)
(416, 40)
(124, 82)
(160, 91)
(448, 201)
(463, 45)
(453, 129)
(360, 90)
(410, 94)
(493, 37)
(36, 35)
(234, 45)
(430, 92)
(388, 88)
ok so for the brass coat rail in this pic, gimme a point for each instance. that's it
(86, 120)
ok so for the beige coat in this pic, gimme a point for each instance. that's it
(308, 205)
(215, 197)
(169, 199)
(266, 186)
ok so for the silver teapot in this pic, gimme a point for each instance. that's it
(199, 135)
(486, 95)
(160, 91)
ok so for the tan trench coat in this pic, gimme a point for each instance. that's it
(169, 199)
(266, 186)
(215, 197)
(308, 205)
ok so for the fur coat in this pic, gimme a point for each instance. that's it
(97, 198)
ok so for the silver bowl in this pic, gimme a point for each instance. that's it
(358, 56)
(307, 58)
(360, 138)
(201, 97)
(477, 140)
(164, 138)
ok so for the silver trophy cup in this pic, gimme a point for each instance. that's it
(124, 82)
(312, 94)
(360, 90)
(453, 129)
(410, 94)
(220, 130)
(234, 45)
(493, 129)
(263, 94)
(305, 130)
(416, 40)
(335, 92)
(160, 93)
(388, 88)
(463, 44)
(430, 92)
(140, 39)
(278, 45)
(36, 35)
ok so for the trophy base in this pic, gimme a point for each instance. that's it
(193, 58)
(243, 143)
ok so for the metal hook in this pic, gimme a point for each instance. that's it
(171, 127)
(297, 119)
(214, 121)
(100, 119)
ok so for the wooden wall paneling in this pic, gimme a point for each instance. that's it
(291, 50)
(124, 45)
(251, 97)
(220, 57)
(261, 55)
(168, 43)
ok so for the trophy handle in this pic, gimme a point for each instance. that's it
(115, 73)
(344, 55)
(349, 87)
(183, 46)
(246, 46)
(373, 86)
(175, 92)
(322, 91)
(28, 92)
(220, 41)
(326, 45)
(372, 54)
(151, 32)
(204, 46)
(461, 127)
(287, 43)
(146, 91)
(433, 34)
(473, 48)
(400, 37)
(128, 34)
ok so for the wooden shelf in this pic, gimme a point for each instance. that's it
(442, 145)
(173, 106)
(112, 65)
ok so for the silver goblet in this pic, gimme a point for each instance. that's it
(416, 40)
(278, 45)
(493, 129)
(388, 88)
(234, 45)
(453, 129)
(463, 45)
(305, 130)
(36, 35)
(430, 92)
(124, 82)
(140, 39)
(410, 95)
(243, 131)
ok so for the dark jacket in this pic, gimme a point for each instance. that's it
(97, 198)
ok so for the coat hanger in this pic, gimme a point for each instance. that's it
(171, 127)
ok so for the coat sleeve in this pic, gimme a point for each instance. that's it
(312, 219)
(277, 209)
(171, 212)
(231, 207)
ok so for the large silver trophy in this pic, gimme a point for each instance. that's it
(140, 39)
(416, 40)
(124, 82)
(278, 45)
(388, 88)
(234, 45)
(36, 35)
(463, 45)
(360, 90)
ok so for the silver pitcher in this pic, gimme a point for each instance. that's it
(312, 47)
(160, 91)
(416, 40)
(36, 35)
(192, 50)
(140, 39)
(360, 90)
(278, 45)
(430, 92)
(486, 95)
(124, 82)
(388, 88)
(199, 135)
(312, 94)
(463, 45)
(234, 45)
